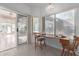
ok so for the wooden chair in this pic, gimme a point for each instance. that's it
(65, 45)
(73, 47)
(69, 49)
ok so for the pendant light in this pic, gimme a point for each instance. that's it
(50, 8)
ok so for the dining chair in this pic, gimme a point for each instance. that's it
(69, 48)
(41, 40)
(65, 45)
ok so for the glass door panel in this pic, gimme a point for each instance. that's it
(22, 29)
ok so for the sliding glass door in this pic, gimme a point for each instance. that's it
(13, 29)
(22, 28)
(7, 30)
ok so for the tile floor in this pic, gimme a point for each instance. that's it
(29, 50)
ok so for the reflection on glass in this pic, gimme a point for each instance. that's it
(13, 27)
(22, 29)
(7, 27)
(49, 24)
(65, 24)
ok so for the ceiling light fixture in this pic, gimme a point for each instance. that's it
(50, 8)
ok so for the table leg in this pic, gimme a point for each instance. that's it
(35, 42)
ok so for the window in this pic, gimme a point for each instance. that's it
(65, 24)
(49, 24)
(36, 24)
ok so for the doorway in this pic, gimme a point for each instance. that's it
(22, 29)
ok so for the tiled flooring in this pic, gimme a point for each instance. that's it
(29, 50)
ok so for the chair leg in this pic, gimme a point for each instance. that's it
(65, 53)
(35, 43)
(62, 53)
(41, 44)
(44, 43)
(68, 53)
(74, 54)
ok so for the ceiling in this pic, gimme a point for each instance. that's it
(39, 8)
(58, 7)
(55, 4)
(37, 4)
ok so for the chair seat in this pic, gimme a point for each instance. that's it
(41, 38)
